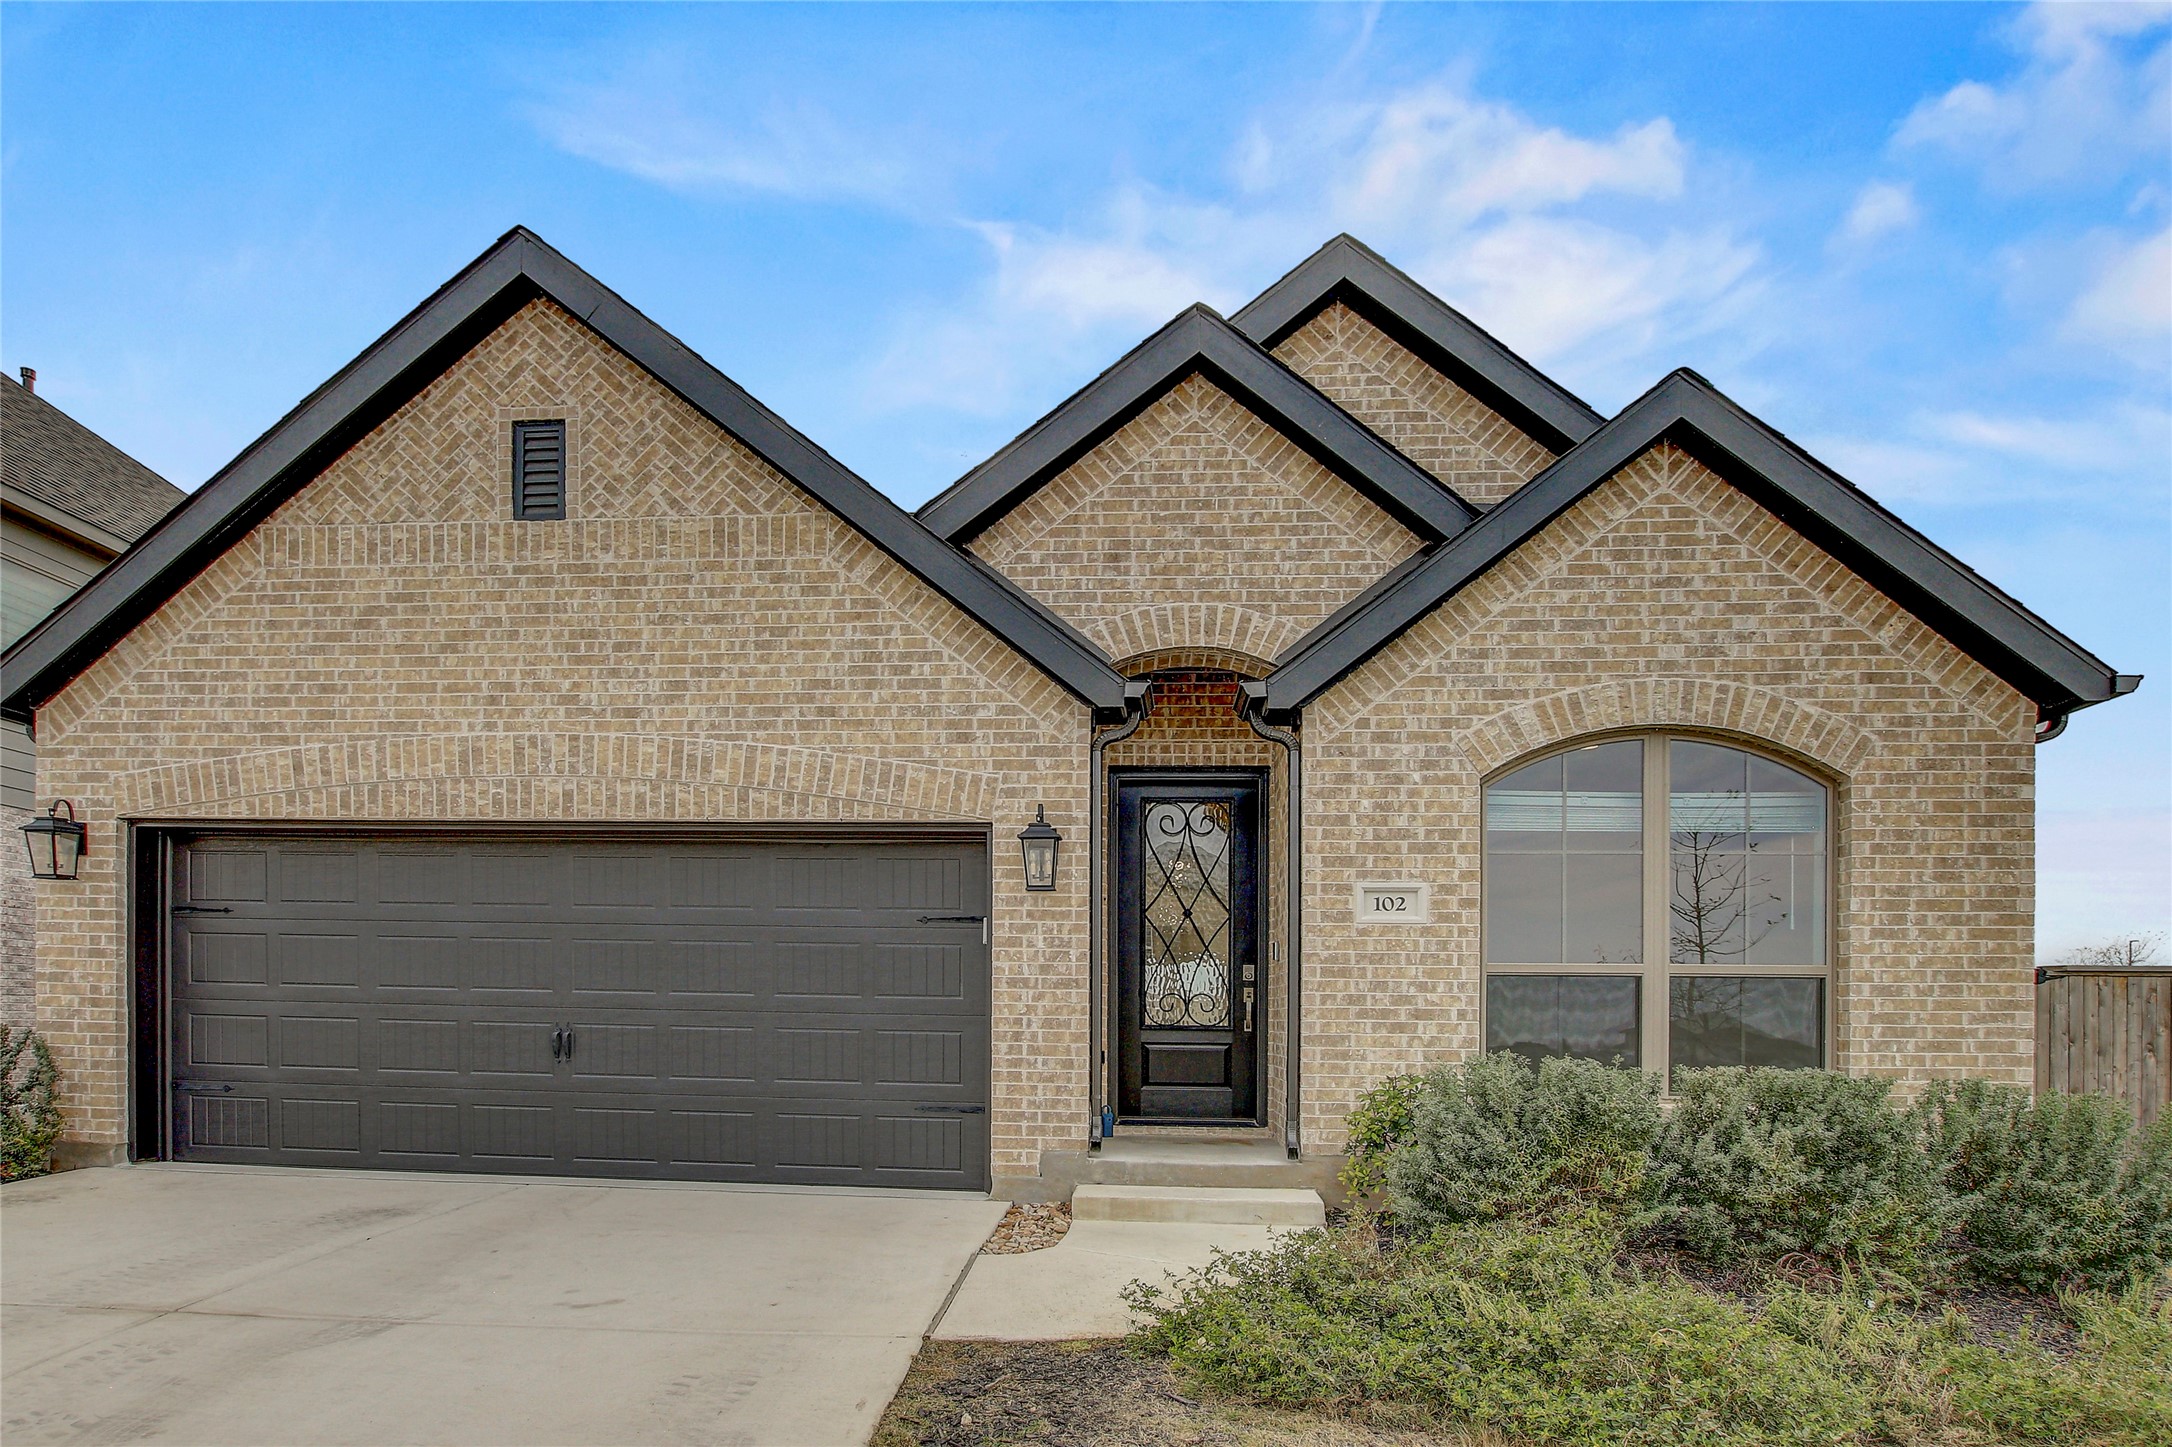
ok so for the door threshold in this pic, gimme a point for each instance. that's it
(1189, 1122)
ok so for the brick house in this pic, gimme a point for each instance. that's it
(534, 755)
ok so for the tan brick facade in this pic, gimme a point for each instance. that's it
(1195, 526)
(1431, 420)
(702, 642)
(698, 642)
(1668, 599)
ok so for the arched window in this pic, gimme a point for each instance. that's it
(1660, 901)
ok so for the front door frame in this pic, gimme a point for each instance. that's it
(1252, 788)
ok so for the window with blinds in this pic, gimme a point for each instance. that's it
(539, 470)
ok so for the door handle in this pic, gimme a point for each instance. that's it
(569, 1042)
(1248, 1009)
(558, 1044)
(200, 909)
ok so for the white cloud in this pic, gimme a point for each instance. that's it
(1437, 156)
(2092, 97)
(2127, 305)
(2118, 453)
(1559, 286)
(1476, 199)
(1880, 208)
(653, 121)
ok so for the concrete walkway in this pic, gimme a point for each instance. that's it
(200, 1304)
(1075, 1287)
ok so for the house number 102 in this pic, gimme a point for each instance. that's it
(1391, 904)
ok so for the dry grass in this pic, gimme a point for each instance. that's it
(1096, 1394)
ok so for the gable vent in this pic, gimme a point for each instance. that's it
(539, 469)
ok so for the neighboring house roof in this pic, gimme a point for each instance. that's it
(515, 270)
(1348, 271)
(1199, 342)
(2046, 666)
(62, 467)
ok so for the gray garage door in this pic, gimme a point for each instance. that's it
(797, 1011)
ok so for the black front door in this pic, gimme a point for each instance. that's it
(1187, 931)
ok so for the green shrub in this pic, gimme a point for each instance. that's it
(1756, 1164)
(1376, 1126)
(1498, 1136)
(29, 1104)
(2051, 1191)
(1499, 1324)
(1539, 1333)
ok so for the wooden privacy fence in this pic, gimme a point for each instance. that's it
(2107, 1030)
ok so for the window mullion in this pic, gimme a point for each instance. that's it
(1656, 894)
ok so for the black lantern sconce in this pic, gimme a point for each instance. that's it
(1037, 844)
(56, 844)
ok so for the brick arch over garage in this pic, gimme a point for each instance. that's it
(547, 775)
(1754, 714)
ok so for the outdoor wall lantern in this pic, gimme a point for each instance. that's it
(56, 844)
(1037, 842)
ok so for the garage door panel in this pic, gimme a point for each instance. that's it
(733, 1013)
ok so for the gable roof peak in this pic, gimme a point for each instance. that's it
(1346, 270)
(518, 268)
(1198, 340)
(1687, 411)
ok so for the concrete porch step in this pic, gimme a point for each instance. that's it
(1222, 1205)
(1132, 1160)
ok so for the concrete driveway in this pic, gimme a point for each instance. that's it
(221, 1305)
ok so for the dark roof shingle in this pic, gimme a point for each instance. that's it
(55, 459)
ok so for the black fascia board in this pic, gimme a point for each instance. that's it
(1348, 271)
(1199, 341)
(2058, 674)
(519, 267)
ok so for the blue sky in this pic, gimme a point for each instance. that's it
(1931, 242)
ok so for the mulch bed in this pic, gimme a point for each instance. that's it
(1088, 1394)
(1028, 1228)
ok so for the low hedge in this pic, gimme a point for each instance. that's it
(1975, 1179)
(2051, 1189)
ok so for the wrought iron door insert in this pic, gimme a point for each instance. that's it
(1188, 990)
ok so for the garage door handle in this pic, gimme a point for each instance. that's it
(201, 909)
(953, 918)
(558, 1044)
(952, 1109)
(207, 1087)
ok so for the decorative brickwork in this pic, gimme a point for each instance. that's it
(698, 642)
(1195, 525)
(1437, 424)
(1668, 599)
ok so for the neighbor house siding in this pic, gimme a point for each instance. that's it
(1431, 420)
(697, 642)
(1667, 599)
(1195, 526)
